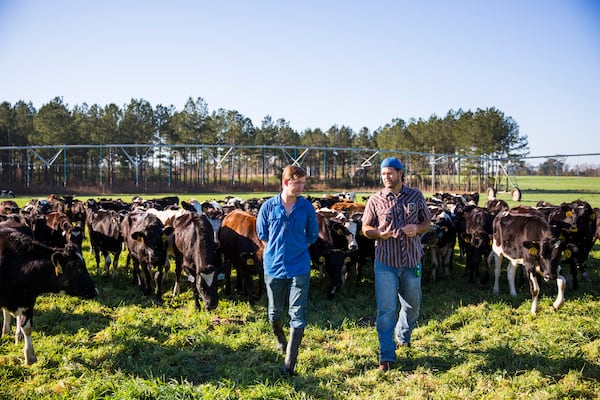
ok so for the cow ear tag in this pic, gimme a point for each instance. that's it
(533, 251)
(250, 261)
(567, 253)
(139, 239)
(58, 269)
(164, 237)
(569, 214)
(322, 259)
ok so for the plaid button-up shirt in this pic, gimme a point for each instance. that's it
(385, 209)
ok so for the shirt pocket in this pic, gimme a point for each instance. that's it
(386, 220)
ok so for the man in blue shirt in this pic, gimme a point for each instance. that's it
(287, 225)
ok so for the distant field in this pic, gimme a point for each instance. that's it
(533, 189)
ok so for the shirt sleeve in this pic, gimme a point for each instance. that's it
(262, 223)
(312, 224)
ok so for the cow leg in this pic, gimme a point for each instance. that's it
(227, 276)
(97, 257)
(358, 270)
(7, 317)
(158, 278)
(561, 284)
(107, 263)
(574, 270)
(434, 264)
(497, 270)
(447, 262)
(178, 269)
(25, 327)
(115, 263)
(534, 288)
(511, 271)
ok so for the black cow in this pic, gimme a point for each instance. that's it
(332, 249)
(582, 239)
(28, 269)
(104, 229)
(365, 248)
(523, 236)
(477, 239)
(439, 241)
(243, 251)
(146, 239)
(573, 223)
(195, 252)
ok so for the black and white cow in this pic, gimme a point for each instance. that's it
(439, 241)
(196, 254)
(477, 239)
(104, 229)
(28, 269)
(523, 236)
(146, 239)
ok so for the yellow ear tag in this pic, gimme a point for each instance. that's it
(322, 259)
(468, 240)
(250, 261)
(533, 251)
(569, 214)
(339, 232)
(347, 260)
(567, 253)
(58, 269)
(139, 239)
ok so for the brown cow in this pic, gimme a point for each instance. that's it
(243, 251)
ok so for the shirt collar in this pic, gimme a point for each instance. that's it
(387, 193)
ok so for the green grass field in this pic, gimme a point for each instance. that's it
(469, 344)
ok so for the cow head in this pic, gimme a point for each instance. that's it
(545, 255)
(153, 242)
(72, 273)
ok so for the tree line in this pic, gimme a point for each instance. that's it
(484, 132)
(479, 134)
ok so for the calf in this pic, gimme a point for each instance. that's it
(146, 239)
(28, 269)
(104, 229)
(62, 229)
(9, 207)
(581, 240)
(524, 237)
(439, 241)
(195, 252)
(477, 239)
(332, 249)
(243, 251)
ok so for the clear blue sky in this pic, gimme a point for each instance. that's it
(318, 63)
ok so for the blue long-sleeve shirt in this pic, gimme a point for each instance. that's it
(287, 237)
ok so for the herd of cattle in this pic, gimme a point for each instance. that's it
(41, 245)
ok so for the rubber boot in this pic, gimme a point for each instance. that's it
(291, 354)
(277, 327)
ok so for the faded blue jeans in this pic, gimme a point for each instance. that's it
(393, 287)
(295, 292)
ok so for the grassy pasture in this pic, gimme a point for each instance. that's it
(469, 344)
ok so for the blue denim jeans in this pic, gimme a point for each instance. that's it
(295, 292)
(393, 287)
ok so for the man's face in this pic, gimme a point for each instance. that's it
(390, 177)
(294, 186)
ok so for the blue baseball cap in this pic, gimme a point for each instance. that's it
(392, 162)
